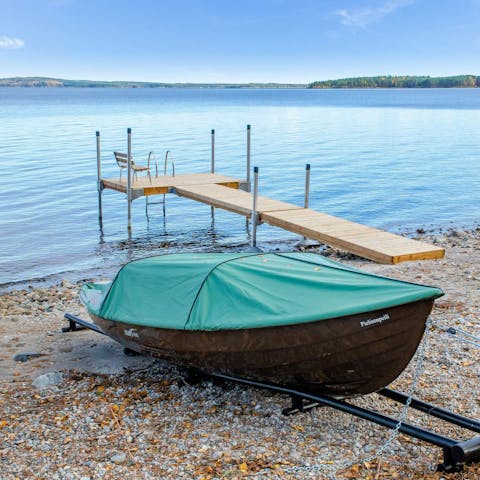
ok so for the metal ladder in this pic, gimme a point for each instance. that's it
(168, 154)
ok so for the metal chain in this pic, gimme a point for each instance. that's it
(416, 376)
(458, 334)
(330, 469)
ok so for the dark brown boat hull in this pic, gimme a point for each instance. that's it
(340, 357)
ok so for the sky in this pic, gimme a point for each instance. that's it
(238, 41)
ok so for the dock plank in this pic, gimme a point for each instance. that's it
(367, 242)
(236, 201)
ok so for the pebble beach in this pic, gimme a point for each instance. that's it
(74, 406)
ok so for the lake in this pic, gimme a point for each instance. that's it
(393, 159)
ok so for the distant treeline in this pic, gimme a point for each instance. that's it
(60, 82)
(457, 81)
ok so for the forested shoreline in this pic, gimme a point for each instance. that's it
(406, 81)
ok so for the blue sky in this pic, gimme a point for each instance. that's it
(237, 40)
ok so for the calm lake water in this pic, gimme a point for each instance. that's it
(393, 159)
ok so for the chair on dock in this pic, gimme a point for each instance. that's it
(122, 162)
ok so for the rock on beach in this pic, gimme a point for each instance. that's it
(48, 380)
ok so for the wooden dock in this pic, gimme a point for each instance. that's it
(145, 186)
(225, 192)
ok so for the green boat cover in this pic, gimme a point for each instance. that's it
(225, 291)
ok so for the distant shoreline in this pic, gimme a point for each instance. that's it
(457, 81)
(45, 82)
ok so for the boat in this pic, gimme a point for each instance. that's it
(295, 319)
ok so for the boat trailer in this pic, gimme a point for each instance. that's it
(456, 453)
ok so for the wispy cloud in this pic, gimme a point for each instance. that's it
(10, 43)
(361, 17)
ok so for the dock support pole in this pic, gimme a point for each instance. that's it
(307, 191)
(249, 183)
(306, 200)
(99, 181)
(307, 186)
(212, 168)
(253, 242)
(305, 242)
(129, 177)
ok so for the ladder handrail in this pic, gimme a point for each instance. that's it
(166, 163)
(152, 154)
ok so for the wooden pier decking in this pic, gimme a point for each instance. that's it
(145, 186)
(224, 192)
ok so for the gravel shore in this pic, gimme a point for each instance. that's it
(106, 415)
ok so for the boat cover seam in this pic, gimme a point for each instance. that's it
(206, 278)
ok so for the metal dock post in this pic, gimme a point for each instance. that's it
(307, 186)
(129, 177)
(307, 242)
(99, 180)
(307, 192)
(212, 168)
(212, 164)
(254, 208)
(249, 185)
